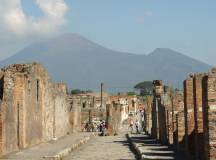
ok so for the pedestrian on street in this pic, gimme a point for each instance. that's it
(137, 126)
(131, 126)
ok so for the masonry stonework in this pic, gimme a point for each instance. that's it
(33, 109)
(209, 112)
(189, 115)
(198, 116)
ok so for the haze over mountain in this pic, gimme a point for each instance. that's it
(84, 64)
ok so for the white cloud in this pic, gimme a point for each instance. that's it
(14, 22)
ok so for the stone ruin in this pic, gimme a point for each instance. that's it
(186, 120)
(33, 109)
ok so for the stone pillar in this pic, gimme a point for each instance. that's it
(209, 112)
(158, 91)
(167, 104)
(154, 130)
(162, 121)
(75, 114)
(148, 112)
(198, 116)
(189, 115)
(178, 121)
(109, 119)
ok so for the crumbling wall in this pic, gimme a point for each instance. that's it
(75, 113)
(148, 113)
(189, 115)
(198, 116)
(33, 109)
(209, 112)
(61, 112)
(178, 121)
(193, 116)
(166, 102)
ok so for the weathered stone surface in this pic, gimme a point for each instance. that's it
(198, 116)
(186, 117)
(33, 109)
(158, 90)
(189, 115)
(209, 118)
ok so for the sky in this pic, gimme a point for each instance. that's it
(135, 26)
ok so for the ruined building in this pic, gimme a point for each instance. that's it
(89, 107)
(32, 108)
(187, 119)
(119, 107)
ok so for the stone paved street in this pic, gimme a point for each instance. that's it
(104, 148)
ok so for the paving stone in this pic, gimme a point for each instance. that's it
(104, 148)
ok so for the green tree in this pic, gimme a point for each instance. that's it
(131, 93)
(79, 91)
(146, 88)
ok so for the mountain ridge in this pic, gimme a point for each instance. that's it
(84, 64)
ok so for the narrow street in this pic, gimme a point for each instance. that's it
(104, 148)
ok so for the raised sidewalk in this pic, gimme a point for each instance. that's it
(53, 150)
(148, 148)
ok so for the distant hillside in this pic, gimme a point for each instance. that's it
(84, 64)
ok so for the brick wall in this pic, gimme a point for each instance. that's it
(198, 116)
(33, 109)
(209, 112)
(193, 120)
(189, 115)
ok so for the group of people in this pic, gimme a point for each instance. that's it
(135, 126)
(94, 127)
(136, 123)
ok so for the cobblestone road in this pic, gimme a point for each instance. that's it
(104, 148)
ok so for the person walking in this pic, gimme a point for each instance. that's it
(131, 126)
(137, 126)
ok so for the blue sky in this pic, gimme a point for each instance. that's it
(140, 26)
(187, 26)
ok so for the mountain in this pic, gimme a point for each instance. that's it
(84, 64)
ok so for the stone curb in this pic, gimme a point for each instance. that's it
(135, 147)
(67, 151)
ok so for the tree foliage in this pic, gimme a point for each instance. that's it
(131, 93)
(146, 87)
(79, 91)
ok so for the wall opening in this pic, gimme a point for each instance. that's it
(84, 105)
(1, 87)
(38, 85)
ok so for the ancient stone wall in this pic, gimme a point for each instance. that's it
(209, 112)
(189, 115)
(113, 118)
(74, 112)
(178, 120)
(158, 111)
(148, 114)
(33, 109)
(166, 102)
(61, 112)
(198, 116)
